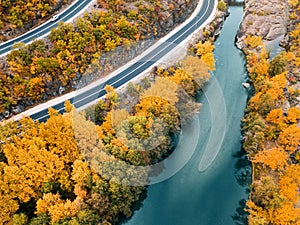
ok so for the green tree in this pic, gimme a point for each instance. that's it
(278, 64)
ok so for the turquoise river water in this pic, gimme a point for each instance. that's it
(215, 194)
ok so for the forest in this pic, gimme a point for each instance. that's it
(81, 167)
(272, 132)
(71, 169)
(21, 15)
(34, 73)
(90, 167)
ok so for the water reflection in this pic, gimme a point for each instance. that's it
(240, 216)
(243, 177)
(216, 196)
(243, 169)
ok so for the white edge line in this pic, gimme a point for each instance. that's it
(65, 97)
(67, 21)
(47, 33)
(183, 44)
(39, 25)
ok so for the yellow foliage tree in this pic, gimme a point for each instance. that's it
(106, 128)
(30, 165)
(287, 214)
(293, 3)
(154, 106)
(261, 68)
(277, 83)
(197, 69)
(57, 208)
(203, 48)
(276, 117)
(256, 214)
(147, 104)
(58, 133)
(80, 173)
(8, 206)
(293, 115)
(111, 95)
(289, 188)
(290, 138)
(163, 88)
(275, 158)
(43, 205)
(253, 41)
(118, 116)
(185, 80)
(205, 52)
(63, 210)
(209, 60)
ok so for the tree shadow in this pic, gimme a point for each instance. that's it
(243, 171)
(240, 216)
(135, 207)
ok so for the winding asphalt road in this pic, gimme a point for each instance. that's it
(135, 69)
(44, 28)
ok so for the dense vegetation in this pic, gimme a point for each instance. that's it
(17, 14)
(272, 132)
(88, 168)
(41, 70)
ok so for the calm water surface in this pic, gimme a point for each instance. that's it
(212, 197)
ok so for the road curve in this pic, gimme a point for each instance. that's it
(94, 93)
(45, 28)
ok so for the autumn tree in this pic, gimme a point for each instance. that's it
(222, 6)
(278, 64)
(274, 197)
(275, 158)
(197, 69)
(163, 88)
(18, 13)
(59, 135)
(276, 117)
(28, 158)
(253, 41)
(205, 52)
(293, 115)
(57, 208)
(290, 138)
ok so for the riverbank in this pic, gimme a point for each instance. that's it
(90, 189)
(98, 164)
(271, 123)
(267, 19)
(101, 168)
(216, 195)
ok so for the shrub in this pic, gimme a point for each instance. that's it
(222, 6)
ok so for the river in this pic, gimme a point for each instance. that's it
(214, 195)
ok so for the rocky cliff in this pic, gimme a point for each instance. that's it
(265, 18)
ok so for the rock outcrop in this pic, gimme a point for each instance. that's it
(271, 20)
(212, 30)
(265, 18)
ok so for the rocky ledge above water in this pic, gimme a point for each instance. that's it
(270, 19)
(265, 18)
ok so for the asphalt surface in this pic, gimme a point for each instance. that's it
(44, 28)
(134, 70)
